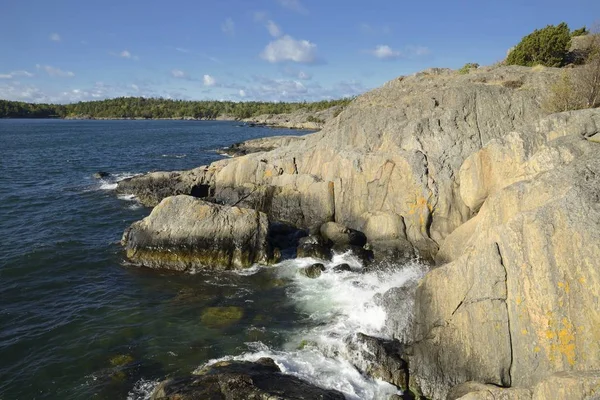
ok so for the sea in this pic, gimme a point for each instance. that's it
(79, 322)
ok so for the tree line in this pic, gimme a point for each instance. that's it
(140, 107)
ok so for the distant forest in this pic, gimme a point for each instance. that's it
(139, 107)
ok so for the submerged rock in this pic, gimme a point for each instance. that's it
(101, 175)
(221, 317)
(314, 271)
(242, 380)
(342, 268)
(185, 233)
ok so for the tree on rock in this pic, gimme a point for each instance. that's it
(548, 46)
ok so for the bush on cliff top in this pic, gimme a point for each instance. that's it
(548, 46)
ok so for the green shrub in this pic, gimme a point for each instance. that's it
(580, 32)
(467, 68)
(547, 46)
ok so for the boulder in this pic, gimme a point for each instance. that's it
(338, 234)
(101, 175)
(342, 268)
(150, 189)
(519, 302)
(313, 271)
(364, 255)
(315, 247)
(379, 358)
(480, 391)
(184, 233)
(241, 380)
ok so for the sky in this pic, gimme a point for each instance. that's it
(64, 51)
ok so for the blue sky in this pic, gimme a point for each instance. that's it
(277, 50)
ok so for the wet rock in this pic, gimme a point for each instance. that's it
(364, 255)
(221, 317)
(101, 175)
(398, 304)
(315, 247)
(379, 358)
(184, 233)
(121, 360)
(339, 234)
(242, 380)
(314, 271)
(342, 268)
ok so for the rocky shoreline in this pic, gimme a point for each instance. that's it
(466, 172)
(301, 119)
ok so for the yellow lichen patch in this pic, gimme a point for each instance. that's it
(565, 286)
(563, 341)
(421, 207)
(268, 173)
(537, 349)
(518, 300)
(524, 332)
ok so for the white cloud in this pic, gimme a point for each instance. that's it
(135, 87)
(15, 74)
(273, 29)
(418, 50)
(384, 52)
(182, 50)
(287, 48)
(55, 37)
(294, 5)
(177, 73)
(125, 54)
(209, 80)
(260, 16)
(228, 27)
(55, 72)
(268, 89)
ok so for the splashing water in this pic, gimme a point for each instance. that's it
(337, 305)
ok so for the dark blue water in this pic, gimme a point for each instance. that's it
(75, 322)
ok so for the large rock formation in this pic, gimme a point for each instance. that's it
(390, 159)
(518, 300)
(184, 233)
(241, 380)
(465, 169)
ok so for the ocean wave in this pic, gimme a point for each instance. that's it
(174, 155)
(142, 390)
(339, 304)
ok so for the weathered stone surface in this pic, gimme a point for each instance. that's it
(338, 234)
(315, 247)
(480, 391)
(391, 157)
(241, 380)
(260, 145)
(153, 187)
(521, 300)
(312, 271)
(184, 233)
(342, 268)
(584, 385)
(379, 358)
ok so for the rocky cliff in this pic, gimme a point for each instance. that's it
(468, 171)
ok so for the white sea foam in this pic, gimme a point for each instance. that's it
(142, 390)
(174, 155)
(110, 182)
(339, 304)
